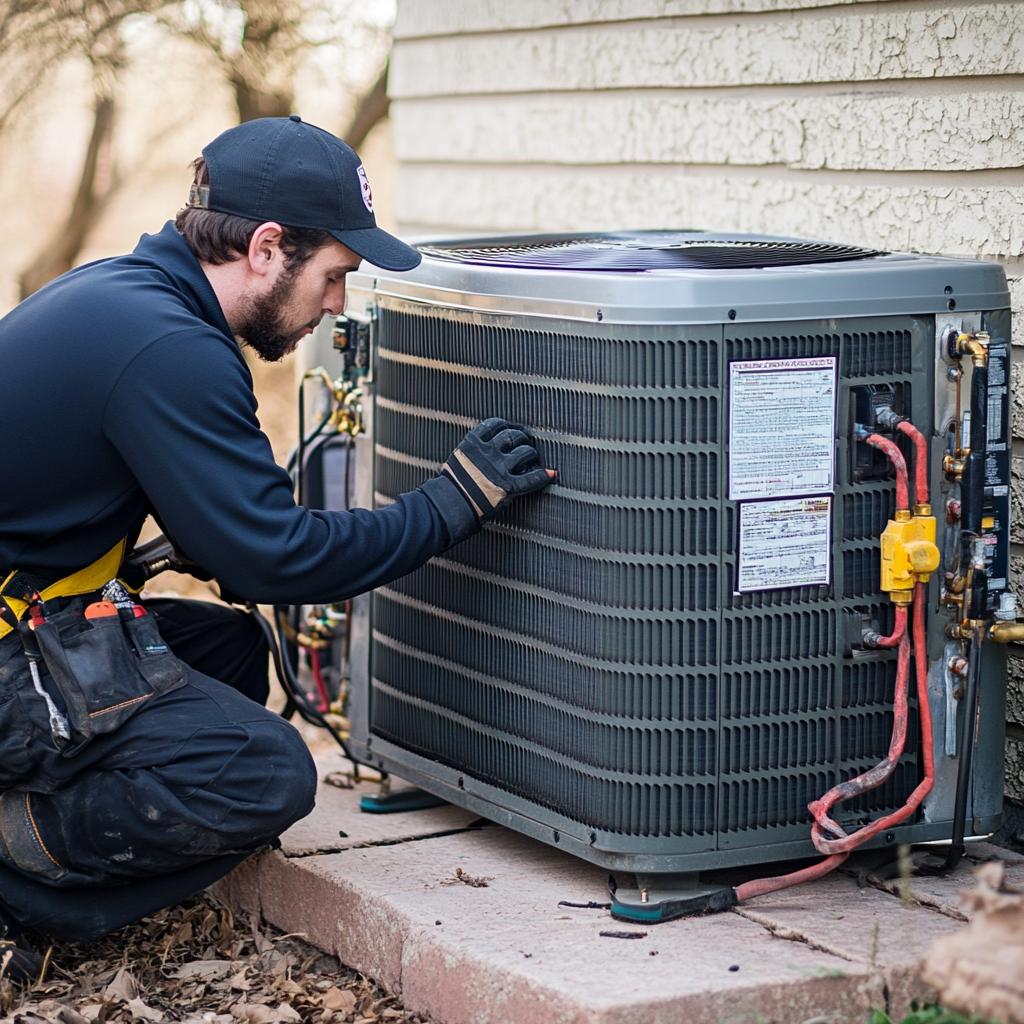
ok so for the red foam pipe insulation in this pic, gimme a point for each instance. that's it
(841, 842)
(925, 714)
(883, 444)
(839, 849)
(844, 843)
(314, 664)
(898, 633)
(761, 886)
(920, 460)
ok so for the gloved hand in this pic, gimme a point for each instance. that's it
(493, 464)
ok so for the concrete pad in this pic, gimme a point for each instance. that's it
(987, 851)
(862, 925)
(942, 892)
(337, 824)
(388, 900)
(507, 952)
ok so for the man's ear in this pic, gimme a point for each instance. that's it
(265, 248)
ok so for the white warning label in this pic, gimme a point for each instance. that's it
(785, 543)
(782, 415)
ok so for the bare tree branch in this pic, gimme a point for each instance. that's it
(372, 108)
(258, 44)
(59, 255)
(36, 36)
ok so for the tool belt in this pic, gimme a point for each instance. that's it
(105, 658)
(18, 584)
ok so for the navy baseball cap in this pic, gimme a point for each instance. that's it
(282, 169)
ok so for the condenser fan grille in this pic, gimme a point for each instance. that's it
(587, 652)
(654, 250)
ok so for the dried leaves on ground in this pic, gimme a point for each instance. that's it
(196, 963)
(462, 877)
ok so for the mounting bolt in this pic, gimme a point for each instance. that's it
(643, 895)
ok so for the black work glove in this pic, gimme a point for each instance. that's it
(493, 464)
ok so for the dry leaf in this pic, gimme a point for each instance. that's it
(58, 1011)
(253, 1013)
(238, 982)
(981, 969)
(286, 1012)
(123, 988)
(209, 969)
(343, 780)
(139, 1009)
(467, 879)
(342, 1000)
(263, 944)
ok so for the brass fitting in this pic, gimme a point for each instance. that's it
(975, 346)
(969, 629)
(909, 554)
(953, 465)
(1006, 632)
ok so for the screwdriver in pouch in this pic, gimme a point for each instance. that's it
(36, 617)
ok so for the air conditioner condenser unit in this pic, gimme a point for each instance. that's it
(660, 661)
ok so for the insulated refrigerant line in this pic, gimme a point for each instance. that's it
(920, 460)
(883, 444)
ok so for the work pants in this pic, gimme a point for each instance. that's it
(196, 781)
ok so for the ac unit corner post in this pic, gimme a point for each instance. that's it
(590, 670)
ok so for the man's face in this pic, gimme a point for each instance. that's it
(280, 309)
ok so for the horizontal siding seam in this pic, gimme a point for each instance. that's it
(953, 85)
(827, 8)
(999, 177)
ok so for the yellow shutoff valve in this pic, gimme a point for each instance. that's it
(909, 555)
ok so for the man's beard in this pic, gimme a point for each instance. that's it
(262, 327)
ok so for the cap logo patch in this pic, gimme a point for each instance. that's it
(364, 188)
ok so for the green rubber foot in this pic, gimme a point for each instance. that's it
(399, 801)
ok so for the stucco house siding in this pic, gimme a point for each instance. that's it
(896, 124)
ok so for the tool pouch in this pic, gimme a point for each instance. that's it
(105, 669)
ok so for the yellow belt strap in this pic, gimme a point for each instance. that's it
(86, 580)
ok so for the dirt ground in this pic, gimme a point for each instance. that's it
(198, 964)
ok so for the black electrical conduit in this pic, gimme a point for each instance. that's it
(972, 497)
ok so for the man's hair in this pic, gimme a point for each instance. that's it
(223, 238)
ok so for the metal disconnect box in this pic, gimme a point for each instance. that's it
(606, 667)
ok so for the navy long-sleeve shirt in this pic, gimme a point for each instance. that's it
(122, 391)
